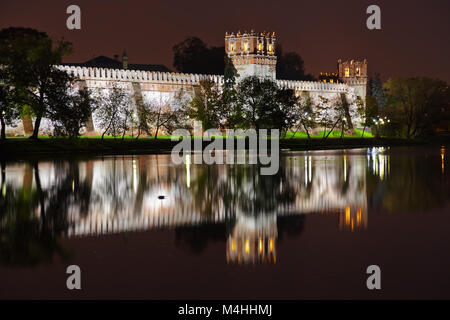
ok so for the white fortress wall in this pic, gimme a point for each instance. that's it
(161, 87)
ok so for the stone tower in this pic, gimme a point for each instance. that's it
(252, 54)
(354, 74)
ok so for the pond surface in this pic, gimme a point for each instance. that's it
(141, 227)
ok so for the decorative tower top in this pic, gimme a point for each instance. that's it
(246, 43)
(252, 54)
(354, 73)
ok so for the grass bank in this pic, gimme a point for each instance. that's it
(19, 148)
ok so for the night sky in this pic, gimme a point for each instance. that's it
(414, 40)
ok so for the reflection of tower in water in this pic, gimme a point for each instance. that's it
(253, 239)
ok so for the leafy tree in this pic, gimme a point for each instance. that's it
(161, 115)
(8, 108)
(229, 95)
(70, 107)
(287, 114)
(367, 112)
(416, 104)
(324, 113)
(333, 113)
(206, 106)
(114, 111)
(193, 56)
(376, 91)
(344, 114)
(305, 114)
(290, 66)
(29, 58)
(257, 103)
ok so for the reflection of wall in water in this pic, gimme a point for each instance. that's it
(124, 196)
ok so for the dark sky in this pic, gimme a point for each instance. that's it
(414, 40)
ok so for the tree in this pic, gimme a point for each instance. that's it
(334, 112)
(257, 103)
(70, 107)
(345, 113)
(206, 106)
(376, 91)
(114, 111)
(324, 113)
(290, 66)
(193, 56)
(287, 114)
(8, 108)
(160, 114)
(229, 95)
(30, 57)
(416, 104)
(305, 114)
(367, 112)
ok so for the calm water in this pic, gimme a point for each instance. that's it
(140, 227)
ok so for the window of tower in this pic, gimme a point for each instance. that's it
(358, 72)
(245, 46)
(232, 48)
(347, 72)
(270, 48)
(260, 46)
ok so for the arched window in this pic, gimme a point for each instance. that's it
(347, 72)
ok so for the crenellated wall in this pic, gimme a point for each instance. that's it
(145, 86)
(168, 78)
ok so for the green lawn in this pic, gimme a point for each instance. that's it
(334, 134)
(298, 135)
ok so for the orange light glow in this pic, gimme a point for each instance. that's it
(271, 244)
(260, 246)
(233, 245)
(247, 246)
(347, 215)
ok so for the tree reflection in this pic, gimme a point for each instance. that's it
(233, 204)
(33, 218)
(413, 184)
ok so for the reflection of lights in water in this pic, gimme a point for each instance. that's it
(306, 170)
(347, 215)
(358, 217)
(135, 185)
(442, 158)
(345, 167)
(73, 186)
(310, 168)
(260, 245)
(179, 208)
(4, 190)
(354, 221)
(188, 170)
(380, 162)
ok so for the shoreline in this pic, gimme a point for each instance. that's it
(16, 149)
